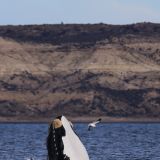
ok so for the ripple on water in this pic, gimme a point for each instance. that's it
(110, 141)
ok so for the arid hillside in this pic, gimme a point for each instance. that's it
(80, 71)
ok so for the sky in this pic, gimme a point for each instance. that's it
(22, 12)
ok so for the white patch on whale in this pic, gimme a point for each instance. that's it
(73, 147)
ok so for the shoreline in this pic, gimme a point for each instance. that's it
(81, 119)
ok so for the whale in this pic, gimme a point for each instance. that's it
(73, 146)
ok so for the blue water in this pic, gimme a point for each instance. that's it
(110, 141)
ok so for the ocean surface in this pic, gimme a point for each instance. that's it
(109, 141)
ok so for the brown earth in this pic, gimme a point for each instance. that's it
(80, 71)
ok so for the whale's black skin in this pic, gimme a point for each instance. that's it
(55, 144)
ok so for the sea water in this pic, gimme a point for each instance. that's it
(108, 141)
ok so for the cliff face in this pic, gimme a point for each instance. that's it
(80, 70)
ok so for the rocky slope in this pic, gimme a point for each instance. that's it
(80, 70)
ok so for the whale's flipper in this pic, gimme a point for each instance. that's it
(73, 147)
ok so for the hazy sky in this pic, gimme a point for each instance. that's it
(78, 11)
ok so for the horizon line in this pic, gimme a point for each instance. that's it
(62, 23)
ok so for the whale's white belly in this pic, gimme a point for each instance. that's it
(73, 147)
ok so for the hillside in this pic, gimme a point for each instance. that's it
(79, 70)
